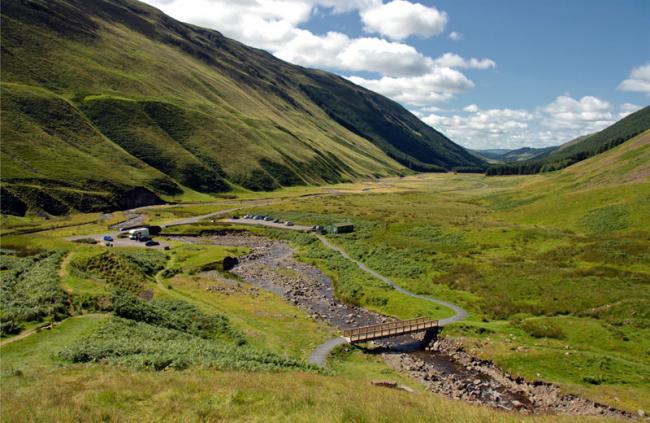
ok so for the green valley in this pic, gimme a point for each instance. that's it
(196, 230)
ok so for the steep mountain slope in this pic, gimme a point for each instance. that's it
(107, 99)
(580, 149)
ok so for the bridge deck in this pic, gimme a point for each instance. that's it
(384, 330)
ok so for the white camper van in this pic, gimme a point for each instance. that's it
(139, 234)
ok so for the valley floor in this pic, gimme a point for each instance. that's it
(553, 269)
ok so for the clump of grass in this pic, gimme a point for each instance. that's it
(542, 328)
(30, 293)
(143, 346)
(176, 314)
(115, 269)
(148, 261)
(606, 219)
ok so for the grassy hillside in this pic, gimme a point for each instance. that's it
(105, 97)
(553, 269)
(545, 264)
(580, 148)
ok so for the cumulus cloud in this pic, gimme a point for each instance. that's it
(627, 108)
(586, 113)
(394, 59)
(483, 128)
(638, 81)
(399, 19)
(455, 36)
(557, 122)
(440, 84)
(452, 60)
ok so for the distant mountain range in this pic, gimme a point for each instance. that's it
(110, 104)
(508, 156)
(574, 151)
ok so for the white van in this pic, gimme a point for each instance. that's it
(139, 234)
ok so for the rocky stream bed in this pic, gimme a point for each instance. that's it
(443, 367)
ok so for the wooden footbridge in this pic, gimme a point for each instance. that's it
(385, 330)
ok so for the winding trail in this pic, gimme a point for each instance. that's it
(319, 356)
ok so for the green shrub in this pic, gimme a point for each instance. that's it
(606, 219)
(115, 269)
(175, 314)
(143, 346)
(148, 261)
(30, 292)
(542, 328)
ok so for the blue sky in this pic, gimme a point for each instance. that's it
(489, 74)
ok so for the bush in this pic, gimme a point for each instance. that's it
(176, 314)
(30, 292)
(118, 270)
(143, 346)
(148, 261)
(542, 328)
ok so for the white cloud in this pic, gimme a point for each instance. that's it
(452, 60)
(589, 113)
(489, 128)
(557, 122)
(627, 108)
(455, 36)
(439, 85)
(376, 55)
(639, 80)
(399, 19)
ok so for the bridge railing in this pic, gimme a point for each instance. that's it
(383, 330)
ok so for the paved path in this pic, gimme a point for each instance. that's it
(319, 356)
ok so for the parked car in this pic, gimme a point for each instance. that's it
(258, 217)
(108, 238)
(151, 243)
(276, 221)
(288, 223)
(247, 216)
(235, 217)
(268, 219)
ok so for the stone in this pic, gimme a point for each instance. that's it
(385, 383)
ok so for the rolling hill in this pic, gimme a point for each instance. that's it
(110, 104)
(580, 148)
(519, 154)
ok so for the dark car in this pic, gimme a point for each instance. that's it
(108, 238)
(151, 243)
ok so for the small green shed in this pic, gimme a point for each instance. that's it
(339, 228)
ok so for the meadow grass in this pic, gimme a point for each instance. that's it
(555, 293)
